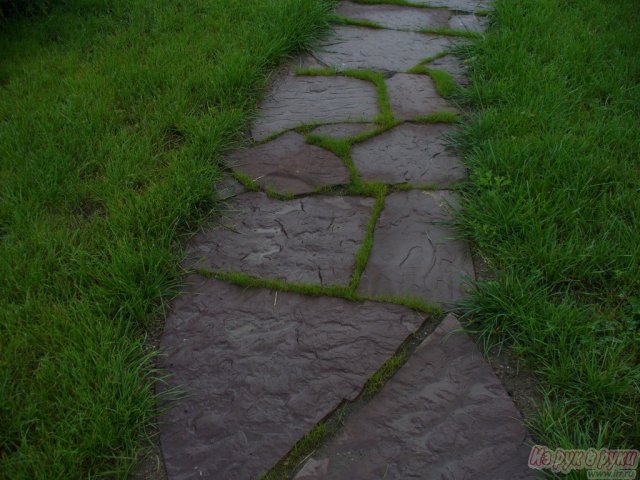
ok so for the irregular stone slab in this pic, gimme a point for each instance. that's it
(311, 240)
(414, 257)
(471, 23)
(390, 50)
(395, 16)
(412, 96)
(297, 100)
(289, 165)
(343, 130)
(409, 153)
(260, 369)
(443, 415)
(453, 66)
(228, 187)
(459, 5)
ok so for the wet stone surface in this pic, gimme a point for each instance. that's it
(412, 96)
(444, 415)
(412, 153)
(471, 23)
(378, 49)
(395, 16)
(259, 371)
(289, 165)
(343, 130)
(297, 100)
(453, 66)
(309, 240)
(414, 257)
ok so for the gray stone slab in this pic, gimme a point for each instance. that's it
(413, 257)
(311, 240)
(412, 96)
(457, 5)
(228, 187)
(297, 100)
(260, 369)
(411, 153)
(471, 23)
(453, 66)
(343, 130)
(395, 16)
(289, 165)
(387, 50)
(444, 415)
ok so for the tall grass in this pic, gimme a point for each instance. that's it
(554, 207)
(113, 117)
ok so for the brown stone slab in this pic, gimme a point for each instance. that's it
(343, 130)
(413, 153)
(453, 66)
(470, 23)
(444, 415)
(457, 5)
(297, 100)
(289, 165)
(395, 16)
(310, 240)
(412, 96)
(378, 49)
(260, 369)
(413, 257)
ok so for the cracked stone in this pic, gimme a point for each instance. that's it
(457, 5)
(259, 369)
(411, 153)
(289, 165)
(395, 16)
(413, 96)
(310, 240)
(453, 66)
(343, 130)
(471, 23)
(297, 100)
(443, 415)
(414, 257)
(390, 50)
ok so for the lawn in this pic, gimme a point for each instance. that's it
(553, 206)
(113, 118)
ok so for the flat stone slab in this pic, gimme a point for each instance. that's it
(228, 187)
(343, 130)
(411, 153)
(458, 5)
(395, 16)
(414, 257)
(260, 369)
(297, 100)
(443, 415)
(470, 23)
(310, 240)
(453, 66)
(289, 165)
(412, 96)
(389, 50)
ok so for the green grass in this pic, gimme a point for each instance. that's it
(554, 207)
(444, 82)
(450, 32)
(113, 117)
(358, 22)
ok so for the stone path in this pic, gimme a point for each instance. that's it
(333, 253)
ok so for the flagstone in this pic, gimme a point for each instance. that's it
(395, 16)
(413, 96)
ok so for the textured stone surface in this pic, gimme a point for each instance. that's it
(309, 240)
(295, 100)
(390, 50)
(444, 415)
(414, 257)
(417, 154)
(459, 5)
(288, 164)
(228, 187)
(395, 16)
(260, 370)
(412, 96)
(343, 130)
(453, 66)
(471, 23)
